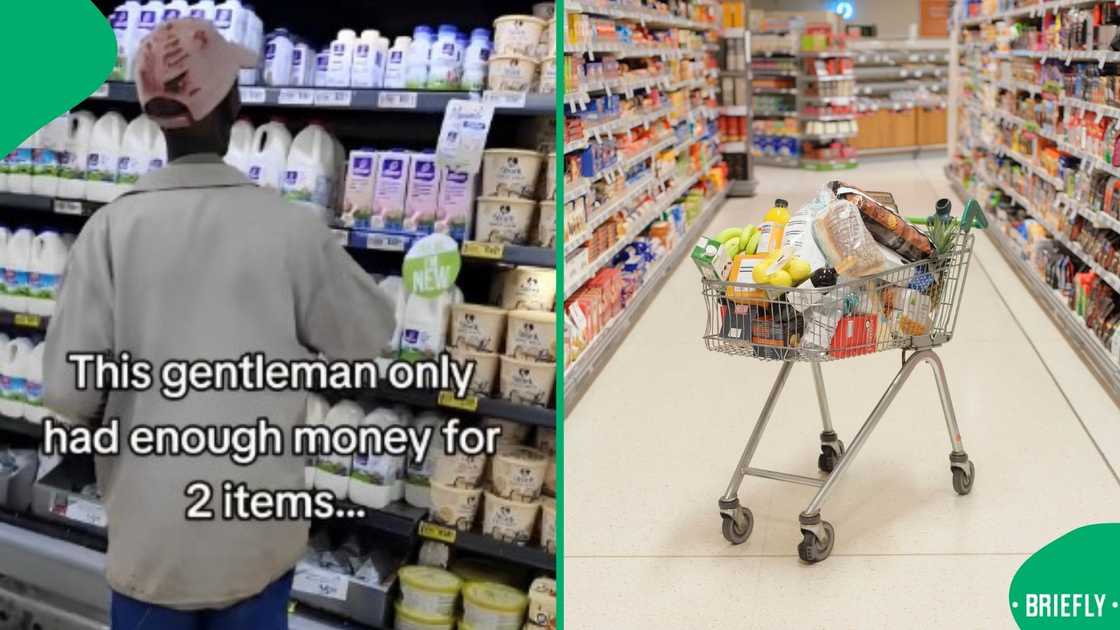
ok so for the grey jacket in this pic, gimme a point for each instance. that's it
(198, 263)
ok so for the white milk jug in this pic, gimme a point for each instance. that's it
(5, 236)
(143, 144)
(416, 65)
(254, 41)
(204, 10)
(317, 409)
(322, 68)
(34, 410)
(303, 64)
(342, 58)
(72, 161)
(48, 261)
(13, 377)
(378, 480)
(44, 171)
(312, 169)
(278, 58)
(101, 161)
(333, 471)
(230, 18)
(17, 270)
(150, 16)
(268, 158)
(475, 59)
(240, 145)
(20, 165)
(125, 19)
(176, 9)
(397, 62)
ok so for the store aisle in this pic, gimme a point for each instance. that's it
(653, 442)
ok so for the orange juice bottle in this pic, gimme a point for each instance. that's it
(773, 227)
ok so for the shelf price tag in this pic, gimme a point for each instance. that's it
(320, 582)
(253, 95)
(489, 251)
(296, 96)
(68, 206)
(342, 237)
(83, 511)
(431, 531)
(333, 98)
(396, 100)
(386, 242)
(505, 99)
(28, 321)
(101, 92)
(447, 399)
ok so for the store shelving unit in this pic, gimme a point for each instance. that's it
(1014, 110)
(645, 184)
(737, 109)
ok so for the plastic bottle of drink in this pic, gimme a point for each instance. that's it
(13, 377)
(48, 261)
(311, 172)
(419, 51)
(150, 16)
(72, 162)
(143, 144)
(773, 227)
(475, 60)
(367, 59)
(21, 163)
(125, 20)
(278, 58)
(342, 58)
(397, 63)
(444, 62)
(254, 41)
(240, 145)
(104, 153)
(33, 409)
(175, 10)
(268, 159)
(322, 68)
(46, 157)
(230, 18)
(303, 64)
(204, 10)
(17, 270)
(5, 236)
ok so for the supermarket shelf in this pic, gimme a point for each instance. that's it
(19, 426)
(654, 18)
(1100, 109)
(735, 110)
(582, 372)
(772, 72)
(23, 320)
(816, 54)
(733, 147)
(827, 165)
(571, 243)
(535, 557)
(1096, 356)
(480, 405)
(510, 254)
(765, 114)
(816, 78)
(915, 148)
(826, 136)
(826, 117)
(399, 518)
(1099, 56)
(828, 100)
(39, 203)
(575, 192)
(775, 160)
(357, 99)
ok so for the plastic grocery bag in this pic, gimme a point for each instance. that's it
(798, 237)
(846, 241)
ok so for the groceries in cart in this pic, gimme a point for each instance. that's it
(845, 275)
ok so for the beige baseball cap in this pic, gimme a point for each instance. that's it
(187, 61)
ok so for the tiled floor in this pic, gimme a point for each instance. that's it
(652, 444)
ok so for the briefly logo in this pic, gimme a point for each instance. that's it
(291, 178)
(1070, 583)
(171, 14)
(93, 160)
(362, 50)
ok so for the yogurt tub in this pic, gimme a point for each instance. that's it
(513, 432)
(517, 472)
(486, 570)
(526, 382)
(459, 470)
(550, 478)
(517, 34)
(485, 369)
(544, 10)
(550, 182)
(429, 591)
(477, 327)
(548, 75)
(529, 288)
(548, 525)
(509, 520)
(542, 602)
(546, 441)
(489, 606)
(531, 335)
(546, 224)
(504, 220)
(414, 620)
(511, 73)
(510, 173)
(454, 507)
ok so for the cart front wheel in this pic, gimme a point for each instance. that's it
(962, 479)
(813, 549)
(737, 531)
(828, 458)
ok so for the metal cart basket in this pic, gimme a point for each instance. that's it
(911, 308)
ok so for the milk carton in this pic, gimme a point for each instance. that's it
(310, 174)
(397, 62)
(303, 65)
(456, 201)
(357, 203)
(102, 159)
(72, 160)
(376, 480)
(124, 20)
(143, 149)
(14, 368)
(204, 10)
(150, 15)
(254, 41)
(176, 9)
(240, 145)
(48, 261)
(322, 68)
(422, 201)
(21, 164)
(390, 189)
(368, 70)
(445, 60)
(34, 410)
(419, 54)
(268, 159)
(341, 60)
(333, 471)
(46, 156)
(231, 19)
(17, 271)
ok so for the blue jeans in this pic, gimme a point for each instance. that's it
(267, 610)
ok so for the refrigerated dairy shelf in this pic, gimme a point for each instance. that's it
(645, 16)
(528, 556)
(24, 320)
(20, 426)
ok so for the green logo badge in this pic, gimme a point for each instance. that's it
(431, 266)
(1073, 582)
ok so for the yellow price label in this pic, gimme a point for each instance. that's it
(448, 399)
(30, 321)
(477, 249)
(291, 608)
(432, 531)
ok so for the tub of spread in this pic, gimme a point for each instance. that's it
(548, 524)
(429, 591)
(531, 335)
(453, 506)
(504, 220)
(511, 73)
(459, 470)
(542, 602)
(485, 369)
(517, 472)
(510, 173)
(529, 288)
(517, 34)
(526, 382)
(415, 620)
(490, 606)
(477, 327)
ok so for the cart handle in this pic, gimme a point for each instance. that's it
(973, 216)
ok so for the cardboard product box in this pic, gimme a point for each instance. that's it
(16, 486)
(736, 324)
(343, 595)
(57, 496)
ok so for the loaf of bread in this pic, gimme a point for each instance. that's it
(846, 242)
(886, 225)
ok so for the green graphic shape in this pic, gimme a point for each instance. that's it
(431, 266)
(1073, 582)
(66, 49)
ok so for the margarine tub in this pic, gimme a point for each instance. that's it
(510, 173)
(550, 478)
(546, 224)
(517, 472)
(485, 369)
(548, 524)
(531, 335)
(487, 570)
(526, 382)
(490, 606)
(504, 220)
(519, 34)
(513, 432)
(430, 591)
(460, 470)
(509, 520)
(477, 327)
(548, 75)
(542, 602)
(511, 73)
(529, 288)
(418, 474)
(408, 619)
(452, 506)
(546, 441)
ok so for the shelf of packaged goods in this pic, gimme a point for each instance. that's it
(633, 191)
(913, 148)
(817, 78)
(827, 165)
(623, 166)
(788, 161)
(1099, 56)
(510, 254)
(20, 426)
(1099, 220)
(39, 203)
(581, 94)
(734, 110)
(656, 207)
(581, 372)
(1098, 108)
(23, 320)
(623, 50)
(523, 555)
(770, 72)
(571, 193)
(733, 147)
(619, 125)
(765, 114)
(826, 117)
(1087, 344)
(478, 405)
(398, 518)
(785, 91)
(816, 54)
(879, 74)
(821, 137)
(577, 144)
(868, 89)
(1030, 165)
(828, 100)
(360, 99)
(730, 33)
(645, 16)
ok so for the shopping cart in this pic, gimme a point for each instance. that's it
(912, 308)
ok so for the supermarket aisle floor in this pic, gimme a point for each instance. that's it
(653, 442)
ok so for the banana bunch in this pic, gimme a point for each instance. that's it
(737, 241)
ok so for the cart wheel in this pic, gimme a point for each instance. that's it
(735, 534)
(826, 461)
(812, 549)
(962, 480)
